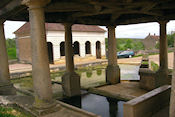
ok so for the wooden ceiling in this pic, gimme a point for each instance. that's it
(95, 12)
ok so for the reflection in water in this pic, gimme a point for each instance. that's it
(113, 103)
(88, 79)
(105, 107)
(89, 74)
(74, 101)
(99, 72)
(129, 72)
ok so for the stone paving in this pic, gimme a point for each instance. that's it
(28, 67)
(155, 58)
(122, 91)
(63, 109)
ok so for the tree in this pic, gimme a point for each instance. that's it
(170, 39)
(10, 43)
(128, 44)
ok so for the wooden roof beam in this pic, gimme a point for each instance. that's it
(68, 7)
(10, 6)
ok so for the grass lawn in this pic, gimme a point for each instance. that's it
(10, 112)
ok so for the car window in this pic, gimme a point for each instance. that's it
(125, 52)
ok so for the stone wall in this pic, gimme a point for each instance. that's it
(56, 37)
(149, 43)
(153, 51)
(149, 103)
(24, 49)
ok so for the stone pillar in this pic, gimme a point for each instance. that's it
(56, 51)
(6, 88)
(93, 49)
(162, 73)
(70, 80)
(112, 70)
(103, 48)
(82, 49)
(172, 100)
(40, 63)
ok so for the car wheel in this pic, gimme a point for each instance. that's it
(130, 56)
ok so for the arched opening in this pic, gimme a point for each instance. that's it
(98, 50)
(76, 48)
(88, 47)
(62, 49)
(50, 52)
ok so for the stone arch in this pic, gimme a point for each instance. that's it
(50, 52)
(88, 47)
(76, 47)
(62, 48)
(98, 50)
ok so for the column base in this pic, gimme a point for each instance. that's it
(71, 84)
(161, 77)
(39, 112)
(7, 89)
(113, 74)
(43, 104)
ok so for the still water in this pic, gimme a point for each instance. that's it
(105, 107)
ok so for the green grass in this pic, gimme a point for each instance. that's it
(145, 62)
(11, 112)
(11, 53)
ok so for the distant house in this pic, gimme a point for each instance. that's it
(150, 41)
(87, 41)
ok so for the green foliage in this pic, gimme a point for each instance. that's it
(11, 53)
(10, 43)
(170, 41)
(157, 45)
(89, 74)
(138, 46)
(99, 72)
(145, 62)
(154, 66)
(128, 44)
(11, 48)
(10, 112)
(124, 44)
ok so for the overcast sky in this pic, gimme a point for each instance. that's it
(123, 31)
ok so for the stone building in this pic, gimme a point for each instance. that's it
(150, 41)
(88, 40)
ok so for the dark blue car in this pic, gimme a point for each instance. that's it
(125, 54)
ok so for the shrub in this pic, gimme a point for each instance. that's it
(154, 66)
(11, 53)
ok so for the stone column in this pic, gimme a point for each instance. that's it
(56, 51)
(6, 88)
(70, 80)
(40, 63)
(82, 49)
(162, 73)
(112, 70)
(93, 49)
(172, 100)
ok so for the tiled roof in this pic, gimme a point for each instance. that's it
(154, 37)
(59, 27)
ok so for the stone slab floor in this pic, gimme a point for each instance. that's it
(122, 91)
(24, 103)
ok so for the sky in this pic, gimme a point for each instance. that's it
(123, 31)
